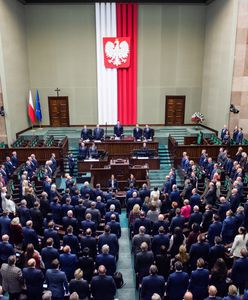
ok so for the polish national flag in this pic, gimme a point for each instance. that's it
(31, 112)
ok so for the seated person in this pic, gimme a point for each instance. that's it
(113, 183)
(93, 152)
(82, 151)
(131, 180)
(85, 133)
(98, 133)
(148, 133)
(118, 130)
(137, 132)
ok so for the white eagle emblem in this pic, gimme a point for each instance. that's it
(117, 52)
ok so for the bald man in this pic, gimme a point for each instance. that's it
(34, 280)
(188, 296)
(212, 291)
(103, 286)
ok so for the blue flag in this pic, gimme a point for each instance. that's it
(37, 107)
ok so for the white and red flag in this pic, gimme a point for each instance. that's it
(116, 40)
(31, 112)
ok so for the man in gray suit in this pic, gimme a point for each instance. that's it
(12, 278)
(139, 238)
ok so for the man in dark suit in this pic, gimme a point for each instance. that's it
(142, 262)
(115, 227)
(177, 283)
(152, 283)
(142, 221)
(93, 152)
(8, 166)
(5, 223)
(107, 260)
(112, 210)
(85, 133)
(228, 228)
(49, 253)
(56, 281)
(199, 250)
(88, 223)
(115, 202)
(223, 208)
(23, 212)
(148, 133)
(95, 213)
(71, 240)
(83, 151)
(14, 160)
(160, 223)
(240, 271)
(37, 218)
(144, 192)
(223, 132)
(216, 251)
(214, 230)
(234, 200)
(33, 279)
(212, 291)
(87, 241)
(109, 239)
(103, 286)
(198, 284)
(240, 136)
(195, 199)
(68, 262)
(177, 221)
(132, 201)
(161, 239)
(195, 217)
(29, 235)
(69, 220)
(113, 183)
(137, 132)
(50, 232)
(6, 249)
(98, 133)
(118, 130)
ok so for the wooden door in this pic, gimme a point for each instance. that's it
(174, 110)
(59, 111)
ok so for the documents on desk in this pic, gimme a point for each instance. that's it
(91, 159)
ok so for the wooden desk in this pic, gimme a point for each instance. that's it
(85, 165)
(123, 148)
(153, 163)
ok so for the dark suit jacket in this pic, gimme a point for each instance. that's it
(198, 250)
(48, 254)
(86, 134)
(34, 281)
(115, 228)
(111, 240)
(148, 133)
(228, 229)
(240, 272)
(195, 217)
(72, 241)
(223, 208)
(51, 233)
(103, 287)
(158, 241)
(116, 202)
(89, 242)
(108, 261)
(30, 236)
(118, 130)
(177, 285)
(152, 284)
(177, 221)
(137, 134)
(56, 282)
(156, 225)
(88, 224)
(6, 249)
(142, 222)
(213, 231)
(98, 133)
(142, 263)
(113, 185)
(68, 264)
(198, 284)
(5, 225)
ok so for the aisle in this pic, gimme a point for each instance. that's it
(125, 263)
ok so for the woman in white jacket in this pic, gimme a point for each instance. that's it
(239, 242)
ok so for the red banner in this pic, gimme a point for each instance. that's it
(116, 52)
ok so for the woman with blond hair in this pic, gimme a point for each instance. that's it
(134, 214)
(183, 257)
(79, 285)
(146, 205)
(156, 202)
(16, 235)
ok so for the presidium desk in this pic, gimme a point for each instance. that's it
(119, 161)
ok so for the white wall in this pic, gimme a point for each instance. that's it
(62, 53)
(221, 24)
(13, 66)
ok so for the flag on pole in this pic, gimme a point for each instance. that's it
(37, 107)
(31, 112)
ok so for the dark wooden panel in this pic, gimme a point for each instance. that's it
(59, 111)
(174, 110)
